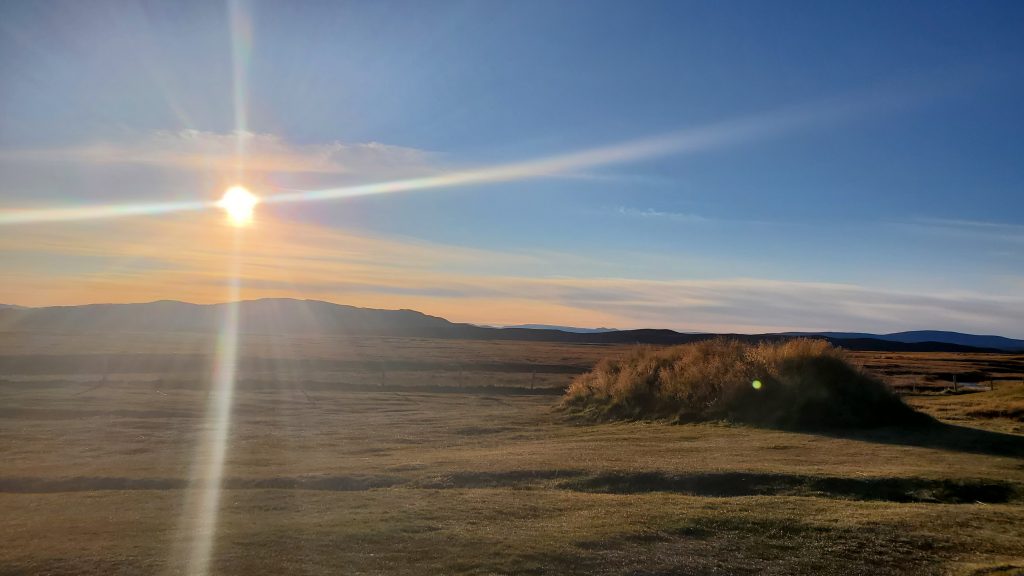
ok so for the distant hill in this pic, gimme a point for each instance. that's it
(563, 328)
(284, 316)
(313, 317)
(922, 336)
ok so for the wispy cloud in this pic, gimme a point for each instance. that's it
(681, 142)
(652, 214)
(185, 257)
(213, 151)
(755, 304)
(389, 169)
(977, 229)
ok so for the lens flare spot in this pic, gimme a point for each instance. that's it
(239, 203)
(756, 384)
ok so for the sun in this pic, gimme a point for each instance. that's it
(238, 202)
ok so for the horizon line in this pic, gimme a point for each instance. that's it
(520, 326)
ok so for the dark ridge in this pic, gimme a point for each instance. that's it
(312, 317)
(927, 336)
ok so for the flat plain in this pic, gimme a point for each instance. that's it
(415, 456)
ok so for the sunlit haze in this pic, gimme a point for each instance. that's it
(238, 203)
(617, 168)
(544, 287)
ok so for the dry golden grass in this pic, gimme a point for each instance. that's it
(327, 476)
(797, 383)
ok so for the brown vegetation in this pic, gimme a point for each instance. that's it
(438, 468)
(799, 383)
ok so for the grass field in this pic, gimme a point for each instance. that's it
(390, 456)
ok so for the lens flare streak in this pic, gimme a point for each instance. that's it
(689, 141)
(202, 505)
(42, 215)
(241, 48)
(203, 502)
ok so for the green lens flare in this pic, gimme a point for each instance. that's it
(756, 384)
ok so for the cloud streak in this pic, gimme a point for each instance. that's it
(688, 141)
(40, 215)
(197, 150)
(219, 152)
(993, 231)
(652, 214)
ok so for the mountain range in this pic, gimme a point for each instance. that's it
(312, 317)
(917, 336)
(563, 328)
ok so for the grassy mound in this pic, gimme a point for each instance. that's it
(800, 383)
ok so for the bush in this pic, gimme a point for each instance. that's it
(798, 383)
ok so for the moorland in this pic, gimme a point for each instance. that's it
(379, 455)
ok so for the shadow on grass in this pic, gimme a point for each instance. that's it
(500, 479)
(713, 484)
(938, 436)
(733, 484)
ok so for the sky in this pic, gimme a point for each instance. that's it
(706, 166)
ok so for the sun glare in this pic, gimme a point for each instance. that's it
(238, 202)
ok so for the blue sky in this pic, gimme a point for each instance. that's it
(894, 201)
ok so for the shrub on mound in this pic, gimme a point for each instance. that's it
(799, 383)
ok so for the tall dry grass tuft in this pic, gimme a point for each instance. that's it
(800, 383)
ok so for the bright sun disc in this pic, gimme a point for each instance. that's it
(238, 202)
